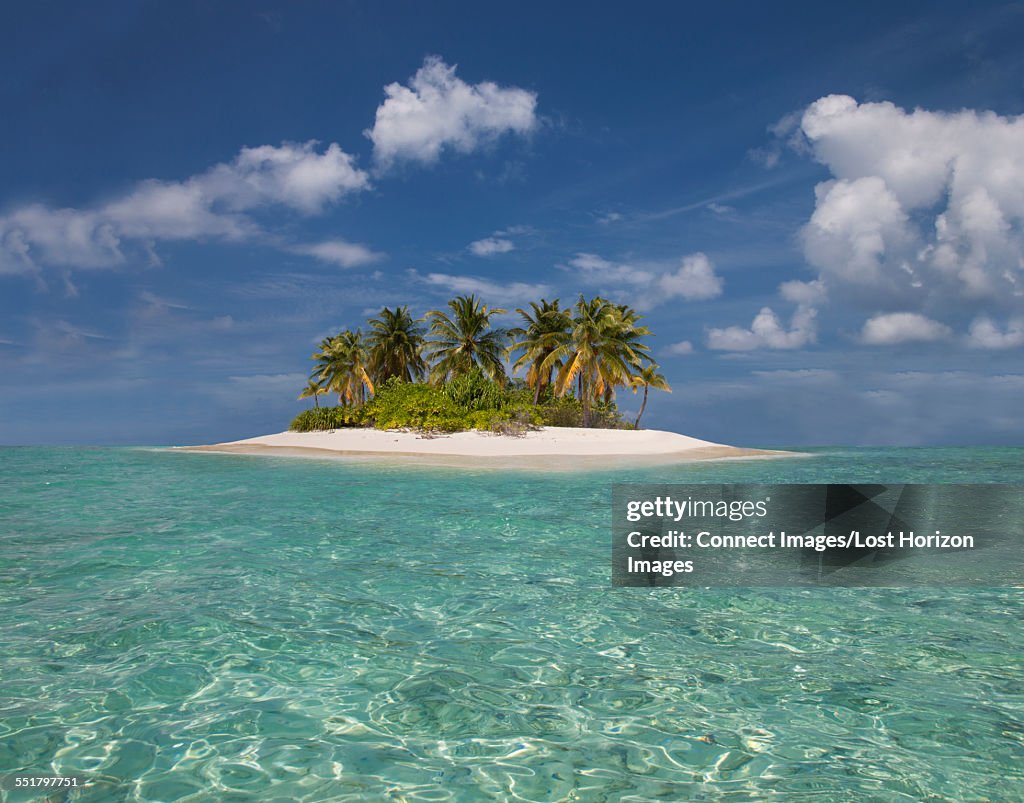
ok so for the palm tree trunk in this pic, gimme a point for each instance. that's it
(642, 408)
(585, 398)
(316, 401)
(543, 380)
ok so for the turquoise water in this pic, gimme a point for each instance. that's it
(207, 627)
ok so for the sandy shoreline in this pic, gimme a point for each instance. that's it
(547, 448)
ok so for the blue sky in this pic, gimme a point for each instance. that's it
(820, 211)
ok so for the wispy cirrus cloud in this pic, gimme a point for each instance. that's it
(497, 293)
(339, 252)
(248, 391)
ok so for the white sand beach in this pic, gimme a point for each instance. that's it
(548, 447)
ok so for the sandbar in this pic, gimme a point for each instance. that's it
(550, 448)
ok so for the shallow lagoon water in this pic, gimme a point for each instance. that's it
(199, 626)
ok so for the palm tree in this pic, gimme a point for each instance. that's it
(341, 367)
(648, 377)
(396, 346)
(602, 353)
(463, 338)
(355, 358)
(328, 365)
(544, 331)
(313, 389)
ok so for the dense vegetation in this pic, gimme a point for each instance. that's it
(453, 374)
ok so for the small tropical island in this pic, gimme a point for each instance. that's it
(453, 385)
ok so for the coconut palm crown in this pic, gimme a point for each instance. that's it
(313, 390)
(647, 378)
(462, 338)
(547, 328)
(602, 352)
(342, 367)
(396, 345)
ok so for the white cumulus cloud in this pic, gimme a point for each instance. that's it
(902, 327)
(926, 206)
(855, 227)
(694, 280)
(211, 204)
(681, 349)
(767, 332)
(489, 246)
(985, 334)
(649, 285)
(807, 293)
(439, 110)
(291, 174)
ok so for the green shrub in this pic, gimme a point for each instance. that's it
(563, 412)
(517, 420)
(322, 418)
(606, 415)
(567, 411)
(474, 391)
(483, 419)
(471, 401)
(404, 405)
(513, 420)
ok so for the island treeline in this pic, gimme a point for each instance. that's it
(453, 370)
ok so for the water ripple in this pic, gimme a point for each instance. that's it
(188, 627)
